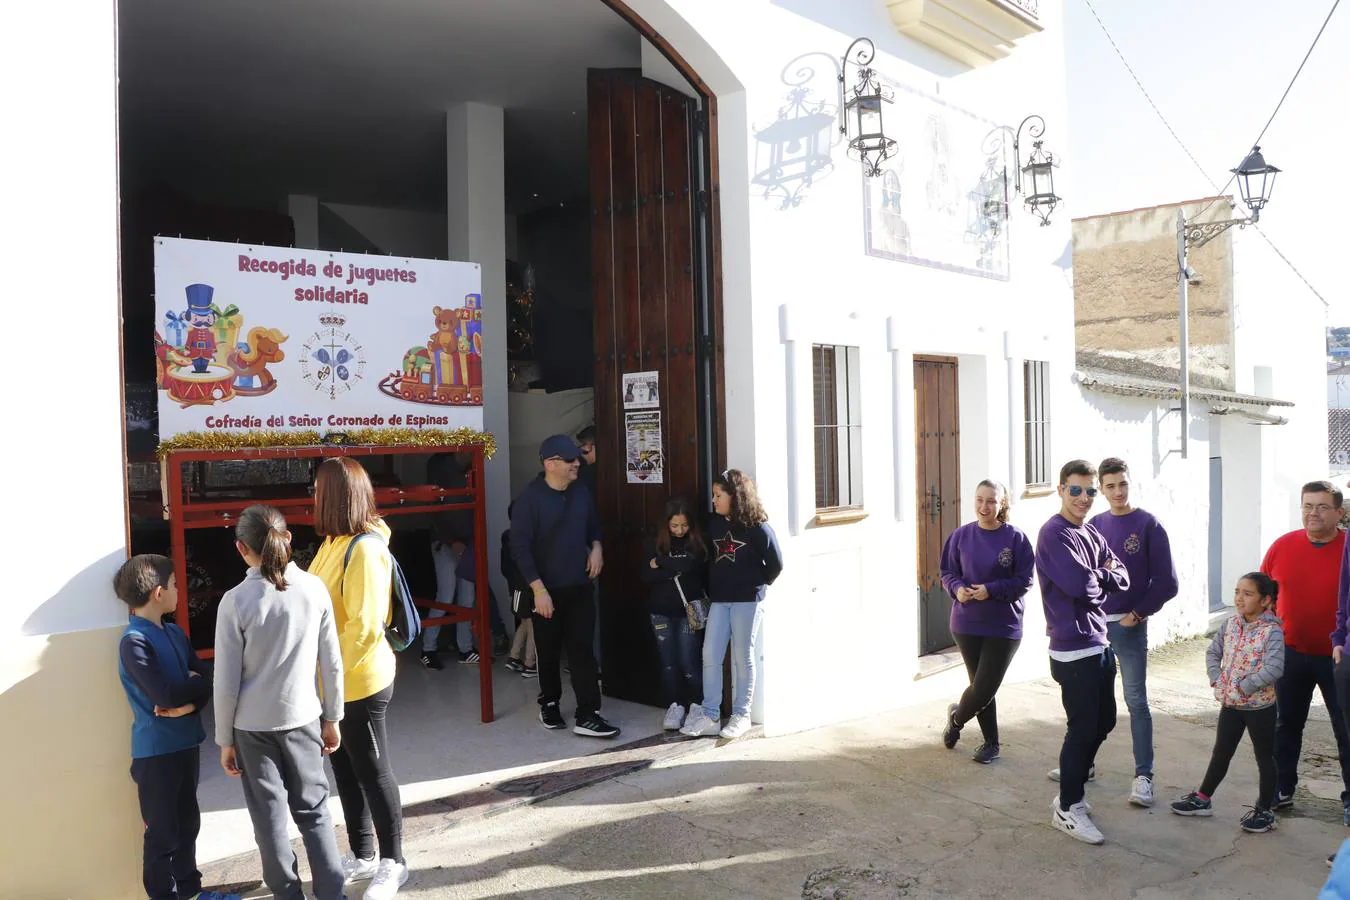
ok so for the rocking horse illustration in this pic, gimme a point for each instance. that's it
(250, 366)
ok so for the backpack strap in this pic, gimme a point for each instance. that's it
(352, 546)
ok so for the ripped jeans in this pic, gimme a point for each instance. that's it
(681, 650)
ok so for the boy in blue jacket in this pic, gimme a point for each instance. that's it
(1077, 570)
(167, 686)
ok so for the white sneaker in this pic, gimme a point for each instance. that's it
(388, 879)
(1141, 794)
(1077, 824)
(737, 726)
(674, 718)
(1053, 774)
(357, 869)
(1054, 803)
(699, 725)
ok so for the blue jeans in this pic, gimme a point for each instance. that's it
(1131, 649)
(681, 667)
(737, 624)
(450, 590)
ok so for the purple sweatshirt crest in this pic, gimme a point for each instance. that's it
(1072, 563)
(1002, 560)
(1140, 542)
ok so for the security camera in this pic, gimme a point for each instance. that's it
(1192, 276)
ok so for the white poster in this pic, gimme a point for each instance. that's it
(640, 390)
(250, 337)
(645, 461)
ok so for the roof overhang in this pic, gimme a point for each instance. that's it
(975, 32)
(1221, 402)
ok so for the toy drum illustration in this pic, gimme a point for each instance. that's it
(191, 388)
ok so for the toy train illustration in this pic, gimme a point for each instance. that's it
(448, 370)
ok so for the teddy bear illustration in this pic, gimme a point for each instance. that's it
(447, 322)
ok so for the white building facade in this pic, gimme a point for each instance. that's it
(945, 325)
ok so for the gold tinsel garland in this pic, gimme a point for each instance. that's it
(374, 437)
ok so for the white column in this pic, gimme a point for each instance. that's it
(476, 225)
(304, 212)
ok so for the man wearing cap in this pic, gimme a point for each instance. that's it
(555, 541)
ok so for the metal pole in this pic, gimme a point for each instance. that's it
(1184, 314)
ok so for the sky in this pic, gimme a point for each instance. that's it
(1216, 70)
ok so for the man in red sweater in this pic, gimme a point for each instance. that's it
(1306, 564)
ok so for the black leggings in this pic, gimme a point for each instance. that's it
(987, 660)
(365, 778)
(1260, 723)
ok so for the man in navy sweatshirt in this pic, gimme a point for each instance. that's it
(555, 541)
(1140, 542)
(1077, 570)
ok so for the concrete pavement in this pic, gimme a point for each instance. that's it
(878, 808)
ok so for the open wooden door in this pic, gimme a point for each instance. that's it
(937, 486)
(643, 221)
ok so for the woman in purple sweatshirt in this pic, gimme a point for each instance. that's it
(987, 568)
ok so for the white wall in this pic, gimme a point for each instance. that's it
(66, 722)
(809, 280)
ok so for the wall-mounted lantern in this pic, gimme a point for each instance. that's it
(860, 112)
(1035, 181)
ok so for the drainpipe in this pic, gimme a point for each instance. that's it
(1014, 414)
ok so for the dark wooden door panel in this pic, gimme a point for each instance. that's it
(937, 487)
(645, 320)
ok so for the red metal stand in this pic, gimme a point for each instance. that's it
(185, 513)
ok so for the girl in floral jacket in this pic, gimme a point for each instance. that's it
(1245, 659)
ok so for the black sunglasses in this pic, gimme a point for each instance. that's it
(561, 459)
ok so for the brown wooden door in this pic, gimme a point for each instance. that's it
(642, 270)
(937, 442)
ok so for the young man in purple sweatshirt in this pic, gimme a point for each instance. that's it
(1077, 571)
(1140, 542)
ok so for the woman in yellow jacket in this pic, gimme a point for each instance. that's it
(344, 507)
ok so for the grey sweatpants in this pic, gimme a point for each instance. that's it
(283, 771)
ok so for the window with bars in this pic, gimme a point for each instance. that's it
(838, 426)
(1036, 381)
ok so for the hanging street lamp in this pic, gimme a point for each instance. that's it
(862, 109)
(1256, 180)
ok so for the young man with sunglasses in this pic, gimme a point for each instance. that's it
(555, 541)
(1306, 564)
(1077, 570)
(1141, 543)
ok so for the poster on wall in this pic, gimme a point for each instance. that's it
(942, 199)
(645, 461)
(640, 390)
(272, 338)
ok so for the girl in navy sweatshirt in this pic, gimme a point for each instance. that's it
(987, 567)
(675, 562)
(745, 561)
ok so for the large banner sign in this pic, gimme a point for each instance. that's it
(271, 338)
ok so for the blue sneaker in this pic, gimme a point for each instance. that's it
(216, 895)
(1283, 800)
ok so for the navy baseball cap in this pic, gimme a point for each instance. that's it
(561, 446)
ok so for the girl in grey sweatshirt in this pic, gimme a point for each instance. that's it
(273, 724)
(1244, 660)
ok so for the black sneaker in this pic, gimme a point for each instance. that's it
(1193, 805)
(529, 671)
(552, 717)
(432, 660)
(594, 726)
(514, 664)
(1283, 800)
(1258, 821)
(986, 753)
(952, 733)
(470, 658)
(1331, 860)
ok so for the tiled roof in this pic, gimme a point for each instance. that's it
(1134, 386)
